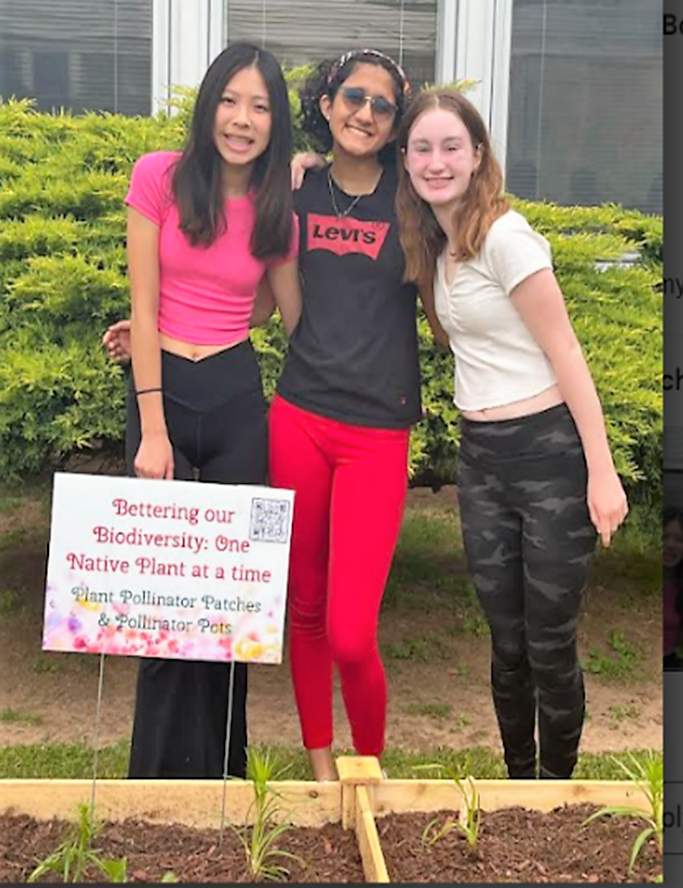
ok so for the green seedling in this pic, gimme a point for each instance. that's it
(116, 871)
(648, 777)
(260, 840)
(470, 826)
(73, 857)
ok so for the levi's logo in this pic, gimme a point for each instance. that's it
(343, 236)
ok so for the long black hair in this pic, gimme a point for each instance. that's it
(328, 77)
(197, 181)
(672, 513)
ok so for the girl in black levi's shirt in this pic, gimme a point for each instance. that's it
(348, 394)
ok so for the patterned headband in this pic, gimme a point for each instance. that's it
(362, 53)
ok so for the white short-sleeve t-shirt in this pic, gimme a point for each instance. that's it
(497, 360)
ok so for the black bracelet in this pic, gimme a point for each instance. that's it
(146, 391)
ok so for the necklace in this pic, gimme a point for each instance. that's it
(336, 209)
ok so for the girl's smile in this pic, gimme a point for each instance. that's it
(440, 157)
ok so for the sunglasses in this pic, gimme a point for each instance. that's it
(355, 98)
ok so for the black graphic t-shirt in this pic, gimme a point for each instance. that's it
(353, 356)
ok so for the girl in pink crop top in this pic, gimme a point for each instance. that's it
(206, 293)
(207, 227)
(204, 227)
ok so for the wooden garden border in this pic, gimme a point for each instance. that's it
(404, 796)
(356, 800)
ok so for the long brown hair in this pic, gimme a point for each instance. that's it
(422, 238)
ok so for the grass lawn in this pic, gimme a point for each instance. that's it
(432, 630)
(75, 761)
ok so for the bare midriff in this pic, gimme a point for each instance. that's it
(192, 351)
(544, 400)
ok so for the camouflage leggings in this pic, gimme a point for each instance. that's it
(528, 541)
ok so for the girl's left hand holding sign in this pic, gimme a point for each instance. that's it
(154, 458)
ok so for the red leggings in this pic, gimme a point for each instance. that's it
(350, 487)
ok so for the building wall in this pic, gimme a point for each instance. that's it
(571, 89)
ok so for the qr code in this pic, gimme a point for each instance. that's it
(269, 521)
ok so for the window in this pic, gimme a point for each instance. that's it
(78, 54)
(300, 31)
(585, 106)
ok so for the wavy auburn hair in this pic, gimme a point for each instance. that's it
(422, 238)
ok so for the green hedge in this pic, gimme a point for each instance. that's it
(63, 279)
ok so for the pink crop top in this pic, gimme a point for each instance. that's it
(206, 294)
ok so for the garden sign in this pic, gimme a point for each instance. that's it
(173, 569)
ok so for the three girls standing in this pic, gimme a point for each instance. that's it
(536, 479)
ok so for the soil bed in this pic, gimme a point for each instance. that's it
(518, 845)
(329, 852)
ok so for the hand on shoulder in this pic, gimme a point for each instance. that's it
(301, 163)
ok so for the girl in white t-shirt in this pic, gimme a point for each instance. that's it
(536, 478)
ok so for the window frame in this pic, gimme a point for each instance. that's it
(187, 37)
